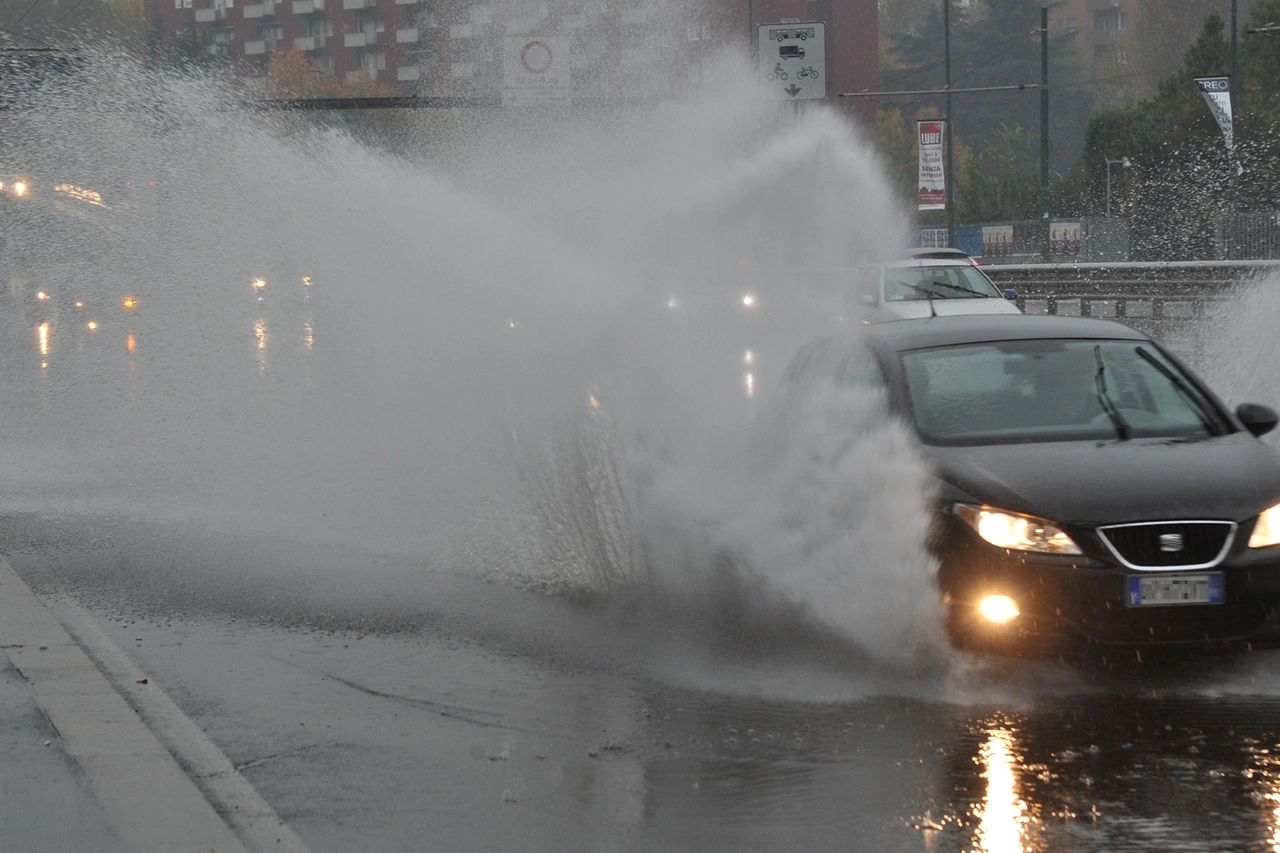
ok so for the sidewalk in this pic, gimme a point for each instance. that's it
(45, 803)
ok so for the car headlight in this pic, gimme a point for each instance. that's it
(1267, 530)
(1022, 532)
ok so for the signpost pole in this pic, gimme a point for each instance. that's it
(1044, 133)
(951, 125)
(1235, 87)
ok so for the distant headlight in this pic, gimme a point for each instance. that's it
(1267, 530)
(1021, 532)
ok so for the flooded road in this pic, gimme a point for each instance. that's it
(419, 706)
(426, 485)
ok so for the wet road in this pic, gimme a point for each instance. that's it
(379, 704)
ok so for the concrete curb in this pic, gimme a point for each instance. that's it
(143, 789)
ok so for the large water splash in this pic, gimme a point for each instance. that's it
(530, 346)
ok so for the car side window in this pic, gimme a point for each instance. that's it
(868, 289)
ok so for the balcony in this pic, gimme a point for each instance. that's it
(355, 39)
(407, 36)
(362, 74)
(358, 4)
(306, 7)
(407, 73)
(255, 10)
(255, 48)
(204, 16)
(308, 43)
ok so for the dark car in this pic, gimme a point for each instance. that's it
(1090, 487)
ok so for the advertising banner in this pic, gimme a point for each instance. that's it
(1065, 238)
(1217, 94)
(997, 241)
(933, 180)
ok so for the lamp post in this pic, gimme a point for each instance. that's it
(1122, 162)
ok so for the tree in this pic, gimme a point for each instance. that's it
(291, 75)
(996, 43)
(1001, 183)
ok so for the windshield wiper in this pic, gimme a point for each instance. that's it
(1196, 405)
(932, 295)
(970, 294)
(1108, 405)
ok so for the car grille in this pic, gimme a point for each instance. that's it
(1170, 544)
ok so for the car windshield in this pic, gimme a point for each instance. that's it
(943, 281)
(1053, 390)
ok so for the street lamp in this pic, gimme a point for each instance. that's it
(1123, 163)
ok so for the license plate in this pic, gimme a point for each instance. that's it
(1164, 590)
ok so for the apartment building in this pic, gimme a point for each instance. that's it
(619, 50)
(1103, 29)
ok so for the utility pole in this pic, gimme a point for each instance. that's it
(1044, 133)
(1235, 39)
(951, 125)
(1233, 87)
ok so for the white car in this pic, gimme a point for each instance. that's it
(928, 283)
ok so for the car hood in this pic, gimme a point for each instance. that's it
(918, 309)
(1091, 482)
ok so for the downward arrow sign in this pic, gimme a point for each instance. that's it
(792, 90)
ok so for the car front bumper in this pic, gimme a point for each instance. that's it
(1083, 599)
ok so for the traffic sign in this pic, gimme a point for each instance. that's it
(793, 60)
(535, 72)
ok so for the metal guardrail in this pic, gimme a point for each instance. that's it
(1154, 297)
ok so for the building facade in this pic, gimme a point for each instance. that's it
(455, 47)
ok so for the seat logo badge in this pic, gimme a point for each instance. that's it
(1170, 543)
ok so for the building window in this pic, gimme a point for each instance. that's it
(270, 32)
(1104, 21)
(373, 61)
(1122, 20)
(1122, 57)
(1071, 23)
(698, 32)
(320, 27)
(223, 35)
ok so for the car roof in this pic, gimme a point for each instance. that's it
(931, 261)
(953, 330)
(938, 254)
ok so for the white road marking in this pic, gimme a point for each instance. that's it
(154, 802)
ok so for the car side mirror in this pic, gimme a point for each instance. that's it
(1010, 293)
(1257, 419)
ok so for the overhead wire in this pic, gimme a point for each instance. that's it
(11, 29)
(67, 14)
(923, 68)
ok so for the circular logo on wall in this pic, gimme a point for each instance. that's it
(536, 57)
